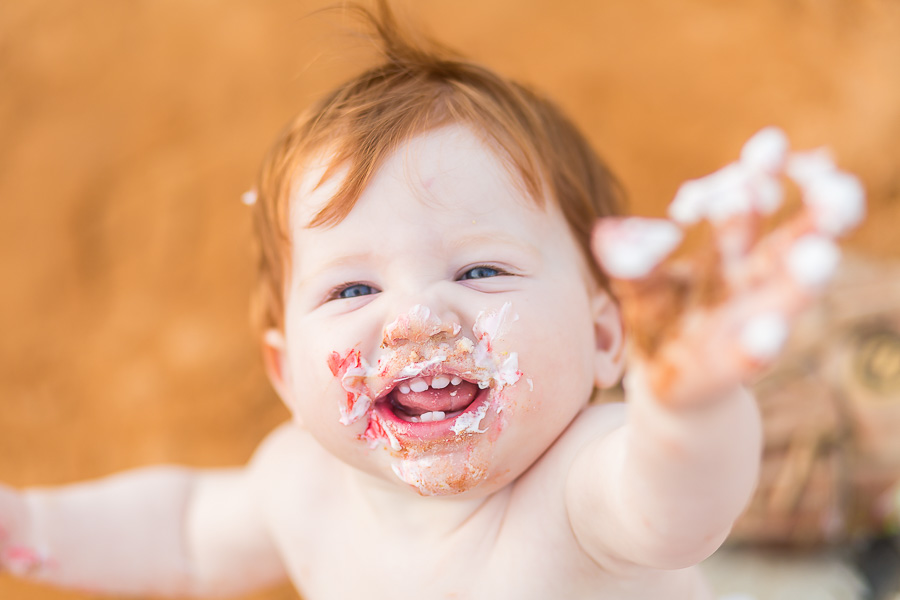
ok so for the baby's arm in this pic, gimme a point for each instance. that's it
(664, 490)
(160, 531)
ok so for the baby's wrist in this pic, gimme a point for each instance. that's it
(650, 383)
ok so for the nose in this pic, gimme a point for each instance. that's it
(420, 324)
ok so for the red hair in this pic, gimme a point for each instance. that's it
(421, 86)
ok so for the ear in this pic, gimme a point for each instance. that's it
(609, 340)
(275, 360)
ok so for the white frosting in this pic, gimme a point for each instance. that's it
(635, 246)
(416, 368)
(731, 191)
(499, 369)
(490, 325)
(508, 370)
(392, 439)
(689, 204)
(410, 472)
(803, 167)
(469, 422)
(765, 151)
(480, 361)
(358, 409)
(354, 381)
(728, 202)
(417, 325)
(764, 335)
(837, 201)
(812, 260)
(694, 198)
(249, 197)
(768, 194)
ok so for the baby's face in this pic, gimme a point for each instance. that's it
(443, 334)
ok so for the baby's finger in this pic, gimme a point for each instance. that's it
(734, 239)
(735, 198)
(794, 256)
(712, 351)
(835, 199)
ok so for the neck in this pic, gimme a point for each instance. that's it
(403, 509)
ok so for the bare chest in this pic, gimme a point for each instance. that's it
(346, 549)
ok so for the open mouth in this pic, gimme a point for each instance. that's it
(428, 408)
(433, 398)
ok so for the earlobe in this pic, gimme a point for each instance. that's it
(274, 358)
(609, 341)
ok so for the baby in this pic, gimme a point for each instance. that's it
(432, 314)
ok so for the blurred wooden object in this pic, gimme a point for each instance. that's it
(831, 409)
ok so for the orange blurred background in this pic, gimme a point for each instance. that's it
(129, 130)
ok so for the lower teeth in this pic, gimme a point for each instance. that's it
(428, 417)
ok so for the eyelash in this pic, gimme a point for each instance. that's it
(498, 270)
(335, 292)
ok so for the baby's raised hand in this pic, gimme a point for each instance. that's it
(15, 556)
(704, 321)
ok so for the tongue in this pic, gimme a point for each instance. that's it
(448, 399)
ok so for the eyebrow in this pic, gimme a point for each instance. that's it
(340, 261)
(499, 238)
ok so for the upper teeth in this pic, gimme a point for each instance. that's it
(420, 384)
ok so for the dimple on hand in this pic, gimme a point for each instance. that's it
(716, 315)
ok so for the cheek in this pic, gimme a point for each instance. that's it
(556, 349)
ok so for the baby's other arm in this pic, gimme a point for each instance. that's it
(159, 531)
(664, 489)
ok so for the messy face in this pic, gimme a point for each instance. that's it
(442, 335)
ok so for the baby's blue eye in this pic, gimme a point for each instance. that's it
(480, 273)
(355, 291)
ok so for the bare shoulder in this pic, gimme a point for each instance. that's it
(551, 470)
(290, 451)
(595, 421)
(294, 478)
(287, 442)
(290, 464)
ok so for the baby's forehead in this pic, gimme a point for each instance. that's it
(441, 165)
(315, 184)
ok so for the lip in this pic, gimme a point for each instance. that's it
(410, 432)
